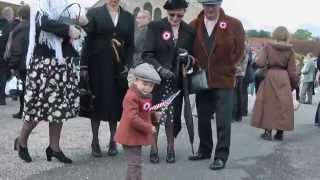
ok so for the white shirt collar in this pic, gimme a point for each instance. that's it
(210, 25)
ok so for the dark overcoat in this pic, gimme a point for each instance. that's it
(98, 55)
(160, 42)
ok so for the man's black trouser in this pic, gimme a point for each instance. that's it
(238, 100)
(220, 102)
(3, 82)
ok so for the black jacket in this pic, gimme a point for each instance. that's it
(4, 35)
(19, 46)
(58, 29)
(165, 50)
(160, 44)
(98, 55)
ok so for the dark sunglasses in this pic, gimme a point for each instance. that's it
(177, 15)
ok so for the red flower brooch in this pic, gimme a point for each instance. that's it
(146, 105)
(223, 25)
(166, 35)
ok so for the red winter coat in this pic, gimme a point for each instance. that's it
(135, 125)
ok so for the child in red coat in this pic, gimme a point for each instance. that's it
(136, 128)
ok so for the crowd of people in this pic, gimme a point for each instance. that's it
(127, 65)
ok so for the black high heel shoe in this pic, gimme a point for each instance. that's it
(113, 151)
(171, 158)
(154, 158)
(58, 155)
(22, 152)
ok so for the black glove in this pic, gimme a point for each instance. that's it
(184, 60)
(166, 73)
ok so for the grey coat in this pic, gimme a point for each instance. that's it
(139, 40)
(308, 71)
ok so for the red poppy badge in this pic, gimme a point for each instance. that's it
(166, 35)
(223, 25)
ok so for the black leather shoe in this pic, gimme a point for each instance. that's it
(171, 158)
(198, 157)
(96, 150)
(23, 152)
(58, 155)
(154, 158)
(113, 151)
(3, 103)
(17, 115)
(217, 164)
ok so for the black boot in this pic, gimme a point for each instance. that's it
(58, 155)
(279, 135)
(23, 152)
(267, 135)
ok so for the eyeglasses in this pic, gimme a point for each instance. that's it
(176, 15)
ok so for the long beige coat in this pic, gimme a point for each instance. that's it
(273, 108)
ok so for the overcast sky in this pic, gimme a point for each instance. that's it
(266, 14)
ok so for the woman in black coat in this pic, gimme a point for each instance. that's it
(106, 55)
(164, 38)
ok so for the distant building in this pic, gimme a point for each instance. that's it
(6, 4)
(155, 8)
(299, 46)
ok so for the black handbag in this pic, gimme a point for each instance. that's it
(86, 98)
(198, 81)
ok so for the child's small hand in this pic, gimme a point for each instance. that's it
(154, 129)
(157, 115)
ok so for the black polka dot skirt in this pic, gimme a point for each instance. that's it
(168, 114)
(51, 91)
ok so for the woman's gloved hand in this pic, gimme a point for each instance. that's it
(166, 73)
(74, 33)
(83, 20)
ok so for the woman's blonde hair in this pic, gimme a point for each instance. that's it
(281, 33)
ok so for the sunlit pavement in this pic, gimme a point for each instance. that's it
(296, 158)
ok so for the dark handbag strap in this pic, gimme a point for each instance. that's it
(66, 9)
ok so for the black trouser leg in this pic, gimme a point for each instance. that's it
(3, 82)
(23, 75)
(205, 109)
(238, 104)
(223, 118)
(257, 84)
(245, 99)
(298, 93)
(309, 93)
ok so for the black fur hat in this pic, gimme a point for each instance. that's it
(175, 4)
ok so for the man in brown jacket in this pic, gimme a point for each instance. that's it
(218, 47)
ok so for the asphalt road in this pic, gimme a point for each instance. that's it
(296, 158)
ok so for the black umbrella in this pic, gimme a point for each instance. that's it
(187, 109)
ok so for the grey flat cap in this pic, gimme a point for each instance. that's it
(147, 72)
(204, 2)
